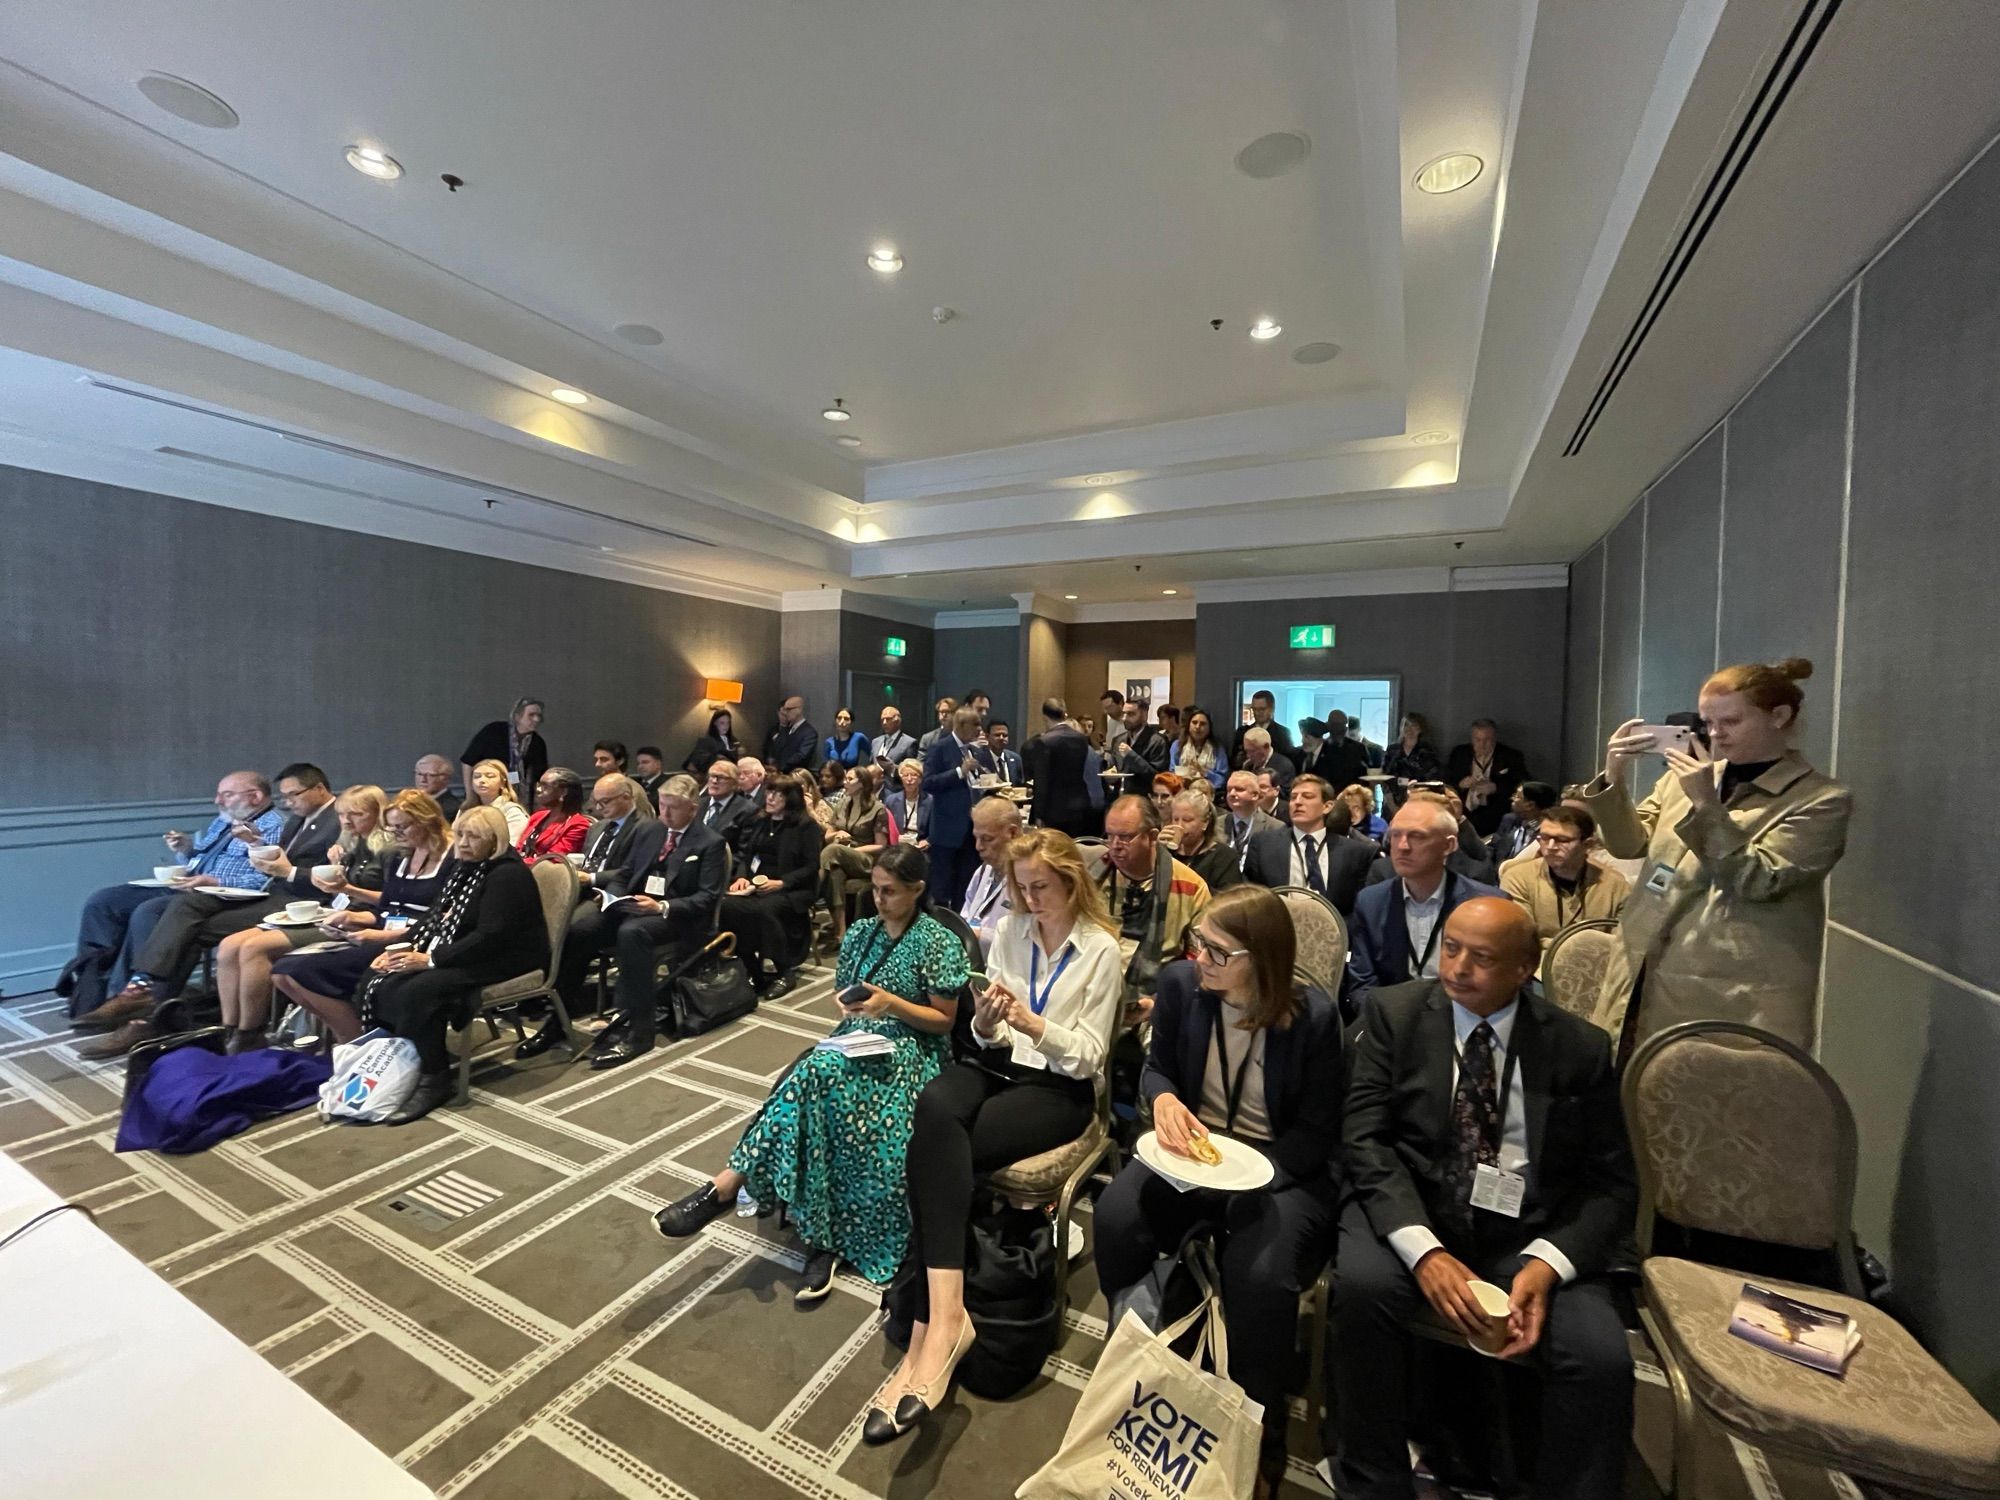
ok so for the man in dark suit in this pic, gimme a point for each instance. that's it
(1313, 851)
(1483, 1141)
(1006, 762)
(1262, 707)
(437, 779)
(1245, 820)
(951, 765)
(722, 808)
(1484, 773)
(1259, 756)
(1055, 761)
(793, 744)
(652, 773)
(1395, 931)
(1325, 751)
(1523, 824)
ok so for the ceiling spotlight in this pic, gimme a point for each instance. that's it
(1264, 328)
(569, 397)
(838, 412)
(373, 161)
(848, 440)
(1273, 155)
(1449, 173)
(1095, 481)
(885, 258)
(1170, 592)
(1430, 436)
(188, 101)
(1069, 596)
(640, 333)
(1314, 354)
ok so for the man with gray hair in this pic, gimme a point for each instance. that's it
(433, 778)
(1393, 933)
(1260, 756)
(996, 822)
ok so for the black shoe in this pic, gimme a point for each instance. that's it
(622, 1051)
(925, 1399)
(432, 1090)
(879, 1428)
(818, 1280)
(782, 985)
(546, 1036)
(680, 1219)
(613, 1031)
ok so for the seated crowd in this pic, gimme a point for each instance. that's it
(1431, 1119)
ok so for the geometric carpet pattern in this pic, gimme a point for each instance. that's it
(482, 1294)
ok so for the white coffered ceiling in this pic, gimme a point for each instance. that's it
(180, 306)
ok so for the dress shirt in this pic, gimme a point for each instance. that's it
(1419, 919)
(893, 749)
(987, 901)
(1320, 841)
(1414, 1241)
(1083, 1002)
(220, 853)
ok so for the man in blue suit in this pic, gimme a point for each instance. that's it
(1393, 934)
(954, 761)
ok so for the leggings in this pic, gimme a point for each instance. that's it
(970, 1121)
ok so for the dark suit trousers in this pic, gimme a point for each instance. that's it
(107, 920)
(642, 942)
(168, 939)
(951, 872)
(591, 933)
(1585, 1364)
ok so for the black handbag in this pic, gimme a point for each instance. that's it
(711, 989)
(1010, 1295)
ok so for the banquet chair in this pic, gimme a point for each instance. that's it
(1322, 937)
(556, 883)
(1573, 968)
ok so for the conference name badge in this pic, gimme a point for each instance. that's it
(1497, 1191)
(1167, 1447)
(656, 886)
(1660, 879)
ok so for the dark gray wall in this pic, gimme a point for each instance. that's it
(1495, 653)
(911, 675)
(149, 644)
(1682, 515)
(984, 656)
(1880, 568)
(1580, 685)
(1618, 671)
(810, 651)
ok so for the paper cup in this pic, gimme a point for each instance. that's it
(1493, 1301)
(575, 860)
(170, 872)
(301, 911)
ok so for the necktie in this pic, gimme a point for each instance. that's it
(667, 849)
(1475, 1123)
(1314, 879)
(709, 815)
(1236, 837)
(594, 861)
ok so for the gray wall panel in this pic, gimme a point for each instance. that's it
(811, 654)
(1581, 747)
(1678, 636)
(1507, 665)
(1624, 550)
(987, 656)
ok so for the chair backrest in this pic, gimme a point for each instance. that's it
(1573, 969)
(1739, 1132)
(1096, 857)
(556, 883)
(962, 1044)
(1322, 936)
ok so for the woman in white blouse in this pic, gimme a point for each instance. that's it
(1044, 1028)
(490, 788)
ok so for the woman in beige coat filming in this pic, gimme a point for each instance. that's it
(1726, 918)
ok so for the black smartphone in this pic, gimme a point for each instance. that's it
(853, 995)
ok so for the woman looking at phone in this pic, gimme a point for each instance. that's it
(1241, 1049)
(830, 1139)
(1043, 1026)
(1726, 918)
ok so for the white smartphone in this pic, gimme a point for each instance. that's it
(1668, 737)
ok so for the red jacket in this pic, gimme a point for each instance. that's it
(545, 838)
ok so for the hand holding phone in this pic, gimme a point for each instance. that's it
(1667, 737)
(852, 997)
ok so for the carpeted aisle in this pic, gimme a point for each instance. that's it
(483, 1296)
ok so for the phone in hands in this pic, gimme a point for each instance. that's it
(1668, 737)
(851, 997)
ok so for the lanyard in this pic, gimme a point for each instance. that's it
(1040, 1002)
(1431, 942)
(870, 964)
(1232, 1088)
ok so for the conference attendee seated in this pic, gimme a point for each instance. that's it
(166, 938)
(1271, 796)
(847, 745)
(1262, 708)
(1485, 773)
(412, 875)
(909, 806)
(1363, 821)
(1239, 1049)
(892, 746)
(608, 757)
(1043, 1027)
(857, 831)
(1469, 860)
(1151, 895)
(1161, 793)
(1563, 886)
(777, 878)
(719, 742)
(1519, 830)
(436, 779)
(1396, 929)
(832, 782)
(621, 810)
(515, 742)
(952, 764)
(1325, 751)
(1314, 851)
(491, 788)
(1482, 1141)
(559, 824)
(996, 823)
(1244, 796)
(722, 808)
(1062, 766)
(793, 743)
(1006, 762)
(652, 772)
(484, 926)
(829, 1142)
(750, 774)
(1191, 832)
(1261, 758)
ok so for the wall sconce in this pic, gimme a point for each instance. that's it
(722, 690)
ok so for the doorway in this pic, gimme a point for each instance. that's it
(1367, 701)
(868, 693)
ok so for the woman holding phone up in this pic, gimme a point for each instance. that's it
(1726, 918)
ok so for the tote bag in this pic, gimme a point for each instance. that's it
(1153, 1426)
(372, 1077)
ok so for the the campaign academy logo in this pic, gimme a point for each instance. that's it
(356, 1090)
(1167, 1446)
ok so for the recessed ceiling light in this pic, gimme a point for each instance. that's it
(848, 440)
(1273, 155)
(885, 258)
(1170, 592)
(373, 161)
(1449, 173)
(1430, 436)
(188, 101)
(1069, 596)
(1095, 480)
(838, 412)
(639, 333)
(607, 549)
(1314, 354)
(1264, 328)
(569, 397)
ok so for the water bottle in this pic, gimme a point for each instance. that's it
(746, 1206)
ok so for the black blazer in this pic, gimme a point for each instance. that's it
(1582, 1194)
(611, 868)
(794, 749)
(1510, 769)
(1055, 760)
(1302, 1070)
(1513, 836)
(504, 934)
(491, 744)
(1281, 743)
(1343, 863)
(1217, 864)
(305, 844)
(790, 855)
(696, 877)
(1338, 765)
(707, 751)
(729, 816)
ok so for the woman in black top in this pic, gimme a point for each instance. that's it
(1241, 1049)
(513, 742)
(1412, 758)
(486, 925)
(768, 903)
(720, 743)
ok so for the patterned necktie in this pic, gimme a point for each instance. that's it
(1236, 837)
(667, 849)
(1475, 1124)
(1314, 879)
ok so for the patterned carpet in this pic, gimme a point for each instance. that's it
(482, 1294)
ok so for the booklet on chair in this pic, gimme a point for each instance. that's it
(1814, 1336)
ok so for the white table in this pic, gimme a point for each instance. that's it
(114, 1384)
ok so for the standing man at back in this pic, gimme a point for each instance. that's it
(1262, 707)
(792, 744)
(951, 765)
(1059, 763)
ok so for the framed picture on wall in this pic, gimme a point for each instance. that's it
(1147, 682)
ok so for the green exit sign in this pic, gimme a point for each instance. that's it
(894, 646)
(1312, 637)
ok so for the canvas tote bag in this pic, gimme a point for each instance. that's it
(1153, 1426)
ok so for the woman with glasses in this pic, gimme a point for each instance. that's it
(1244, 1049)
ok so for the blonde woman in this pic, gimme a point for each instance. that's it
(491, 788)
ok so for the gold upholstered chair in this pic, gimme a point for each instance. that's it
(1573, 968)
(1322, 937)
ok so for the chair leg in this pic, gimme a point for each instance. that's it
(463, 1093)
(1681, 1455)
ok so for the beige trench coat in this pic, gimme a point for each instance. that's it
(1736, 933)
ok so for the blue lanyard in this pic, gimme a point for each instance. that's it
(1040, 1003)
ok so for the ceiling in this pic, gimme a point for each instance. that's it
(237, 316)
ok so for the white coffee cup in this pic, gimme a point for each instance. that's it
(575, 860)
(326, 873)
(170, 872)
(301, 911)
(259, 853)
(1495, 1303)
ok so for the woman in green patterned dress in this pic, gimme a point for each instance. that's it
(830, 1140)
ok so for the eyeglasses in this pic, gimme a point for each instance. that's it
(1214, 952)
(1556, 840)
(1123, 838)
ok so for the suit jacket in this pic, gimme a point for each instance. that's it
(696, 876)
(899, 808)
(1302, 1070)
(891, 750)
(651, 786)
(1338, 765)
(1582, 1194)
(1510, 769)
(605, 853)
(305, 842)
(707, 751)
(1343, 864)
(1149, 745)
(1281, 742)
(730, 814)
(451, 802)
(949, 792)
(1281, 766)
(794, 749)
(1513, 836)
(1008, 764)
(1055, 761)
(1378, 938)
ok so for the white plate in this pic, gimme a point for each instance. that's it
(1243, 1167)
(153, 885)
(233, 892)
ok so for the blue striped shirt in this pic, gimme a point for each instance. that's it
(220, 853)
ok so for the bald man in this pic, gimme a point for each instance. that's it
(793, 744)
(1483, 1141)
(1394, 932)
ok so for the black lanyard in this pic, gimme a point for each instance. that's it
(870, 964)
(1431, 942)
(1232, 1089)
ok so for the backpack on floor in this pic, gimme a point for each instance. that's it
(1010, 1294)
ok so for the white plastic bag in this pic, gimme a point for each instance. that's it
(373, 1077)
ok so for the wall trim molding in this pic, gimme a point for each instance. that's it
(1954, 980)
(1386, 581)
(1143, 609)
(975, 619)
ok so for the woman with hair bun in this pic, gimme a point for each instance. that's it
(1726, 918)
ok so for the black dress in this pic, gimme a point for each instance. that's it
(491, 743)
(707, 751)
(775, 927)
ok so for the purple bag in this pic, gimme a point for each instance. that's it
(190, 1098)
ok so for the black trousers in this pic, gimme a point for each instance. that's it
(642, 942)
(951, 872)
(1271, 1247)
(419, 1006)
(591, 932)
(970, 1121)
(189, 924)
(1584, 1362)
(766, 927)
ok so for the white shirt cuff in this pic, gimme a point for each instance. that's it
(1413, 1242)
(1543, 1250)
